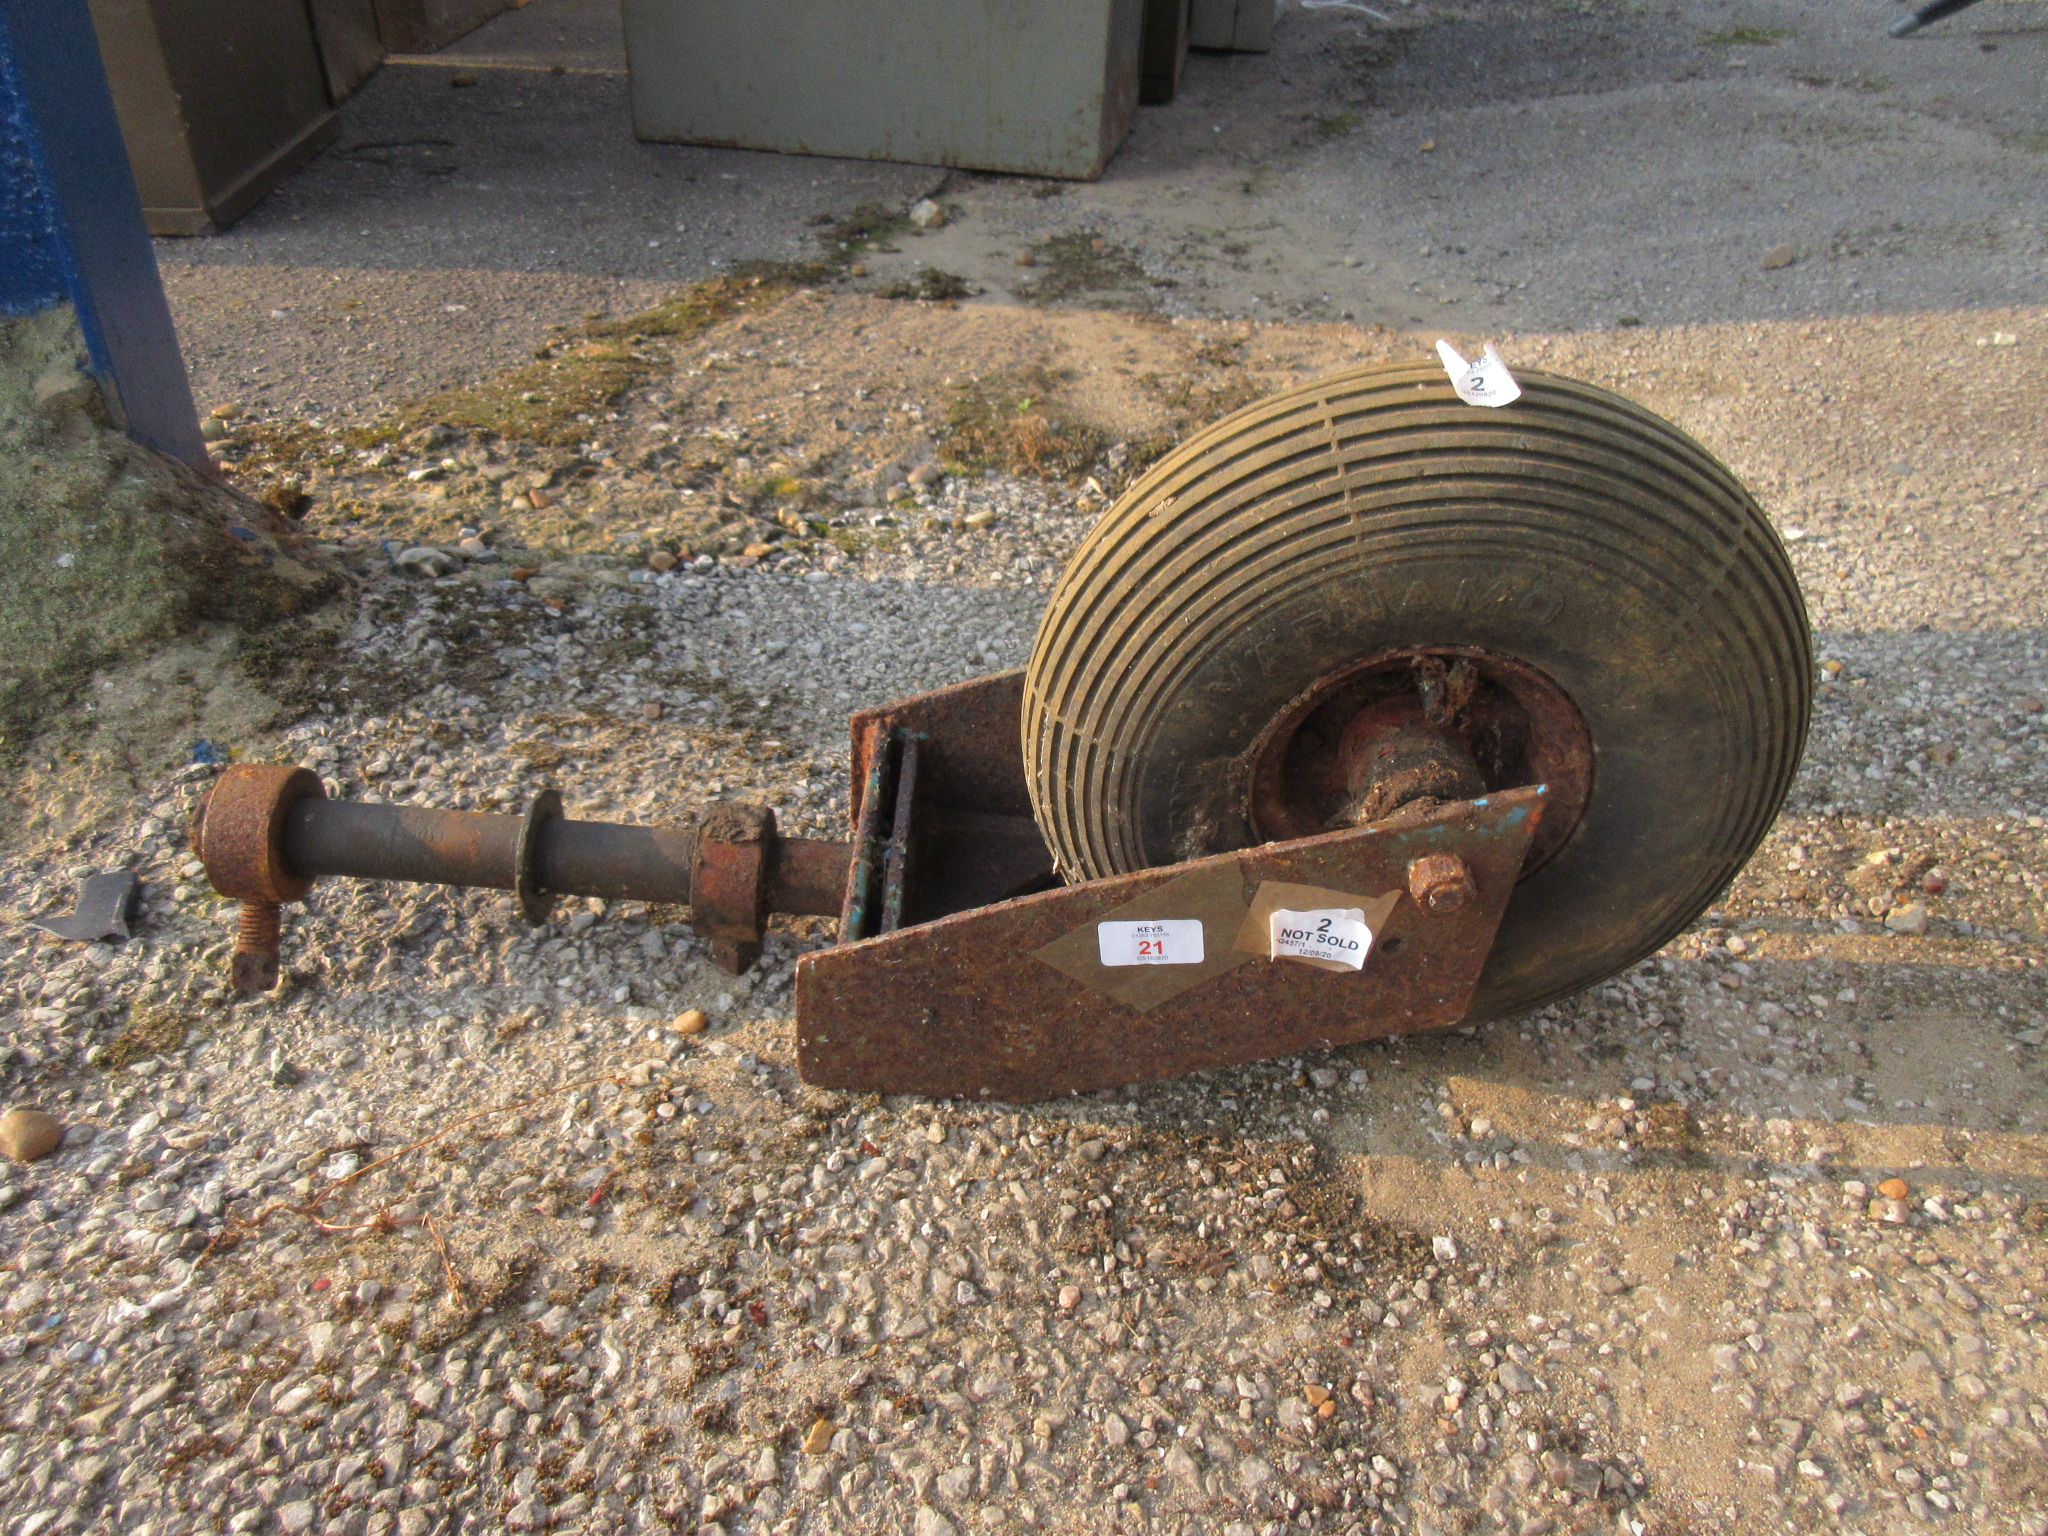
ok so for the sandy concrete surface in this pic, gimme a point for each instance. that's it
(1500, 167)
(1537, 166)
(338, 342)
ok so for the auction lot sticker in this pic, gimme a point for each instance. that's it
(1314, 926)
(1163, 941)
(1336, 934)
(1166, 940)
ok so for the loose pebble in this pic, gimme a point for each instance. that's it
(1909, 917)
(29, 1134)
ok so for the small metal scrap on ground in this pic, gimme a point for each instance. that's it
(106, 906)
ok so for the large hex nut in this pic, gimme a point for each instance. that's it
(238, 830)
(1441, 884)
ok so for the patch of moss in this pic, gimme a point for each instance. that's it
(1221, 351)
(932, 286)
(573, 378)
(1196, 402)
(1011, 423)
(109, 549)
(843, 240)
(537, 403)
(1745, 37)
(150, 1032)
(1082, 261)
(289, 660)
(633, 636)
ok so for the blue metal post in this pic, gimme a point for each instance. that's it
(71, 223)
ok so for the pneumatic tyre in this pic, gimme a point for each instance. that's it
(1620, 616)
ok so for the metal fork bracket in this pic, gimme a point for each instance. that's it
(1023, 1000)
(942, 822)
(996, 984)
(885, 835)
(874, 762)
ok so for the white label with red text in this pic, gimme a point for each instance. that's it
(1335, 934)
(1163, 941)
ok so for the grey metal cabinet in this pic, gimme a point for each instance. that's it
(1165, 52)
(351, 46)
(219, 100)
(1238, 26)
(1041, 87)
(421, 26)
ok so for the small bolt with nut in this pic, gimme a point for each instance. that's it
(1441, 884)
(238, 833)
(257, 936)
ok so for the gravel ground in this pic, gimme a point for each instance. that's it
(312, 342)
(473, 1228)
(469, 1228)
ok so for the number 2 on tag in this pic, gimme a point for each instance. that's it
(1483, 382)
(1334, 935)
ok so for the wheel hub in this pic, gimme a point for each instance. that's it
(1419, 726)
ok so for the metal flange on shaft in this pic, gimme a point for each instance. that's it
(267, 832)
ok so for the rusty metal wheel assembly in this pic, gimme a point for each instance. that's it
(1364, 595)
(1365, 712)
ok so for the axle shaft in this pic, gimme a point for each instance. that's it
(573, 858)
(266, 833)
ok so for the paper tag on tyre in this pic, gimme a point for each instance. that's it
(1485, 381)
(1336, 935)
(1163, 941)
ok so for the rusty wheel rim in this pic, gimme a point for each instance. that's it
(1519, 725)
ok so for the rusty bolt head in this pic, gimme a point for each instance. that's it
(1440, 883)
(238, 830)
